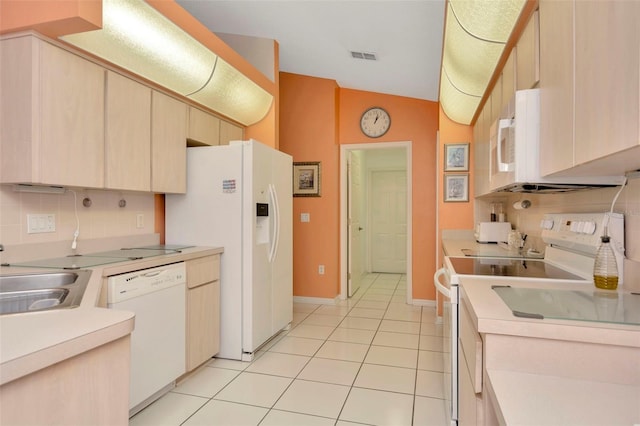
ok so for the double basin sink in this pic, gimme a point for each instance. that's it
(33, 292)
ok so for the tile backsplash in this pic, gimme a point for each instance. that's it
(588, 201)
(104, 218)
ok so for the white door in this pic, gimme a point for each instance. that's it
(355, 223)
(388, 210)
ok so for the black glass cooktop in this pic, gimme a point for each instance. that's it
(524, 268)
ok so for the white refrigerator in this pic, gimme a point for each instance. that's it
(239, 197)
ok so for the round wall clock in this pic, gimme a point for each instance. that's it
(375, 122)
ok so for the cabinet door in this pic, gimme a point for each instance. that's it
(607, 52)
(481, 151)
(528, 55)
(496, 100)
(203, 128)
(203, 323)
(128, 134)
(509, 78)
(168, 144)
(556, 84)
(71, 110)
(230, 132)
(467, 398)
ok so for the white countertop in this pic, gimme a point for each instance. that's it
(491, 315)
(524, 398)
(32, 341)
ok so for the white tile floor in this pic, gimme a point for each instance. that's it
(371, 360)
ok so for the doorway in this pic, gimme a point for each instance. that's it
(375, 212)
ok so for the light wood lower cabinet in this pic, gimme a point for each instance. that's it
(89, 389)
(203, 310)
(470, 403)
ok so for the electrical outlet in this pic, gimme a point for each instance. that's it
(321, 269)
(41, 223)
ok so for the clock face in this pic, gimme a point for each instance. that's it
(375, 122)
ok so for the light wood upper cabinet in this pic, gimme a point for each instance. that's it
(230, 132)
(607, 55)
(556, 85)
(128, 134)
(481, 151)
(204, 128)
(590, 106)
(168, 144)
(528, 55)
(509, 79)
(52, 116)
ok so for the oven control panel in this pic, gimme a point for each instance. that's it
(582, 231)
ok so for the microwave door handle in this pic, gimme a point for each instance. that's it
(502, 124)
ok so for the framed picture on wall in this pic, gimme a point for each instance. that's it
(456, 188)
(306, 179)
(456, 157)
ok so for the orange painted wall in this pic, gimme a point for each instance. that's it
(308, 132)
(454, 215)
(412, 120)
(316, 117)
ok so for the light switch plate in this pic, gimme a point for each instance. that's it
(305, 217)
(41, 223)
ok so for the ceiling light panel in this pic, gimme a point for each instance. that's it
(137, 37)
(234, 95)
(476, 33)
(491, 20)
(469, 61)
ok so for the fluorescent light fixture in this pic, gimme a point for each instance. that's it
(476, 33)
(138, 38)
(39, 189)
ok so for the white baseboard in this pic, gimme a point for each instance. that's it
(424, 302)
(316, 300)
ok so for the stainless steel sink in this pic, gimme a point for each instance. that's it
(42, 291)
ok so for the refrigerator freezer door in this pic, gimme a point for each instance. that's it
(210, 214)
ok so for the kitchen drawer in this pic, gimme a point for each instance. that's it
(471, 345)
(203, 270)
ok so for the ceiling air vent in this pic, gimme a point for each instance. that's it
(364, 55)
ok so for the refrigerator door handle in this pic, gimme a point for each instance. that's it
(276, 223)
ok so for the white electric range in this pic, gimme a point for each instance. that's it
(572, 240)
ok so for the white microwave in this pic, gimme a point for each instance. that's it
(514, 149)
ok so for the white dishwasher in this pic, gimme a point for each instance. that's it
(157, 297)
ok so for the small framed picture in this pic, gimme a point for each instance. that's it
(456, 157)
(456, 188)
(306, 179)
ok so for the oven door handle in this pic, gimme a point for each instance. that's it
(436, 280)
